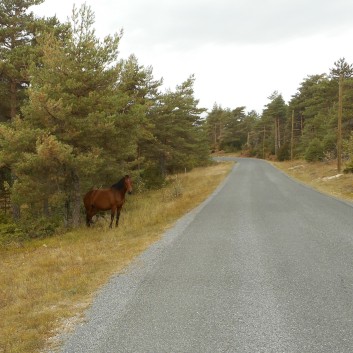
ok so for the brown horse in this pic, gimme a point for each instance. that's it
(107, 199)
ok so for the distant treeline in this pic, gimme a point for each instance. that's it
(305, 127)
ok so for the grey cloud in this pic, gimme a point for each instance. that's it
(196, 23)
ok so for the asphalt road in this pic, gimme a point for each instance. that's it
(265, 265)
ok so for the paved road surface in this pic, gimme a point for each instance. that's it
(266, 265)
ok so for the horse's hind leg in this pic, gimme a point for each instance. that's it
(88, 220)
(89, 215)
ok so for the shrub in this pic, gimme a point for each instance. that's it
(283, 153)
(173, 191)
(348, 169)
(152, 177)
(40, 227)
(329, 144)
(315, 151)
(26, 228)
(10, 232)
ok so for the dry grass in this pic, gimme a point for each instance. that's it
(46, 284)
(322, 176)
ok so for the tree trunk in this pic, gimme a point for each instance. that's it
(292, 137)
(162, 165)
(278, 134)
(46, 209)
(16, 211)
(13, 100)
(276, 138)
(339, 125)
(215, 138)
(73, 204)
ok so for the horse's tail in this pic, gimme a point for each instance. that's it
(88, 203)
(87, 199)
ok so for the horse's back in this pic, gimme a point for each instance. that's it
(101, 199)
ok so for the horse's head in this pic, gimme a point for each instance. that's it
(128, 184)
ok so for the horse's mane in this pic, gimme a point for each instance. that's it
(120, 184)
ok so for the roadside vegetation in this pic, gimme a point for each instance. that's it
(74, 115)
(47, 283)
(322, 176)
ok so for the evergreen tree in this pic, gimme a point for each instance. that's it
(79, 135)
(18, 31)
(179, 139)
(345, 70)
(274, 117)
(141, 92)
(315, 111)
(233, 129)
(342, 70)
(216, 125)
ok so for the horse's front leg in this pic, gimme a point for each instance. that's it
(112, 214)
(117, 216)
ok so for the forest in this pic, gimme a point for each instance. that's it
(315, 125)
(74, 115)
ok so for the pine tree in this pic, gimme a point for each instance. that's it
(235, 130)
(179, 138)
(81, 134)
(215, 122)
(18, 31)
(315, 114)
(275, 115)
(140, 93)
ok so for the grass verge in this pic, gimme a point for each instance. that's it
(46, 284)
(322, 176)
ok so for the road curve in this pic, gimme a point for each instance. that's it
(264, 265)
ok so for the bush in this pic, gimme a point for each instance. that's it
(40, 227)
(152, 177)
(283, 153)
(315, 151)
(349, 167)
(26, 228)
(329, 144)
(10, 232)
(173, 191)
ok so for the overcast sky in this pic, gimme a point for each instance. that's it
(240, 51)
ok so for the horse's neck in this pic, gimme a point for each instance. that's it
(121, 192)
